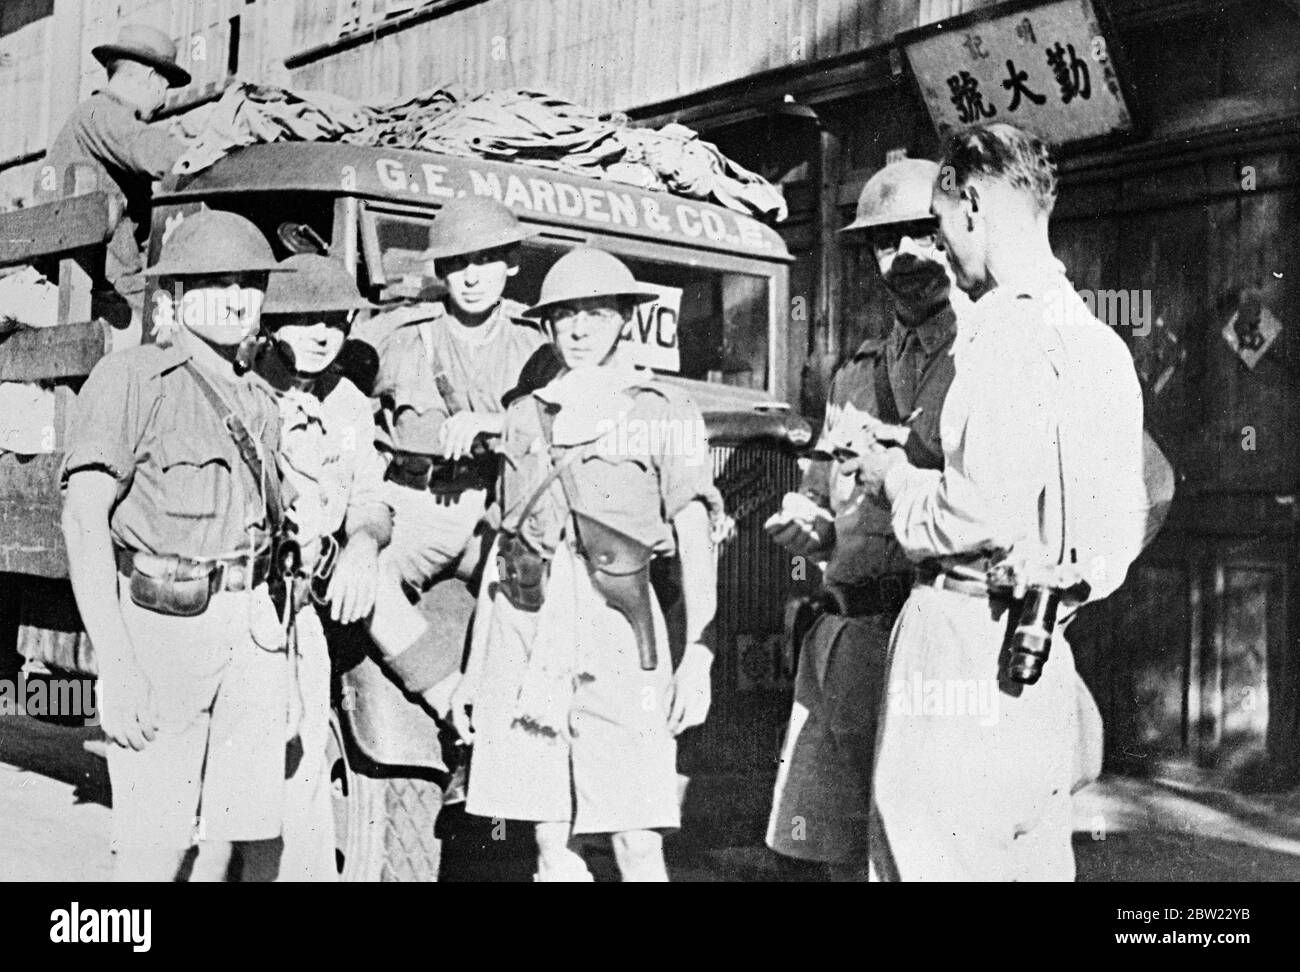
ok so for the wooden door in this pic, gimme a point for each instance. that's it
(1194, 660)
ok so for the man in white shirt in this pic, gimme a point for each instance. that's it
(1042, 475)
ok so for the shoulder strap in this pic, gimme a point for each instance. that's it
(886, 404)
(269, 489)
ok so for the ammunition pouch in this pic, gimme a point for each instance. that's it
(619, 566)
(181, 587)
(522, 572)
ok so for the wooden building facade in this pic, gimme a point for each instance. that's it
(1195, 661)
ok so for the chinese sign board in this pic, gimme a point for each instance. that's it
(1043, 67)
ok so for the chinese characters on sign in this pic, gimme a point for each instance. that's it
(1046, 69)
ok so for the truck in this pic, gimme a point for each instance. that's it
(719, 330)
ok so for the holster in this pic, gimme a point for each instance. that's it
(522, 572)
(619, 566)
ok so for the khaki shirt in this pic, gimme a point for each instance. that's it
(418, 343)
(919, 366)
(182, 487)
(1032, 363)
(329, 456)
(637, 484)
(126, 155)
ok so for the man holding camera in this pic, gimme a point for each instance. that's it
(823, 789)
(1040, 506)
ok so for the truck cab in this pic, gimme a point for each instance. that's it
(717, 329)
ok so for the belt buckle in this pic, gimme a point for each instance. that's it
(234, 576)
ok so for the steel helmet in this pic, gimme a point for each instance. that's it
(212, 242)
(583, 273)
(471, 224)
(898, 193)
(318, 284)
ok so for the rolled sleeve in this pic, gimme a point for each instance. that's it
(684, 462)
(105, 424)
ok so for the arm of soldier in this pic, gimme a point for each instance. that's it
(368, 524)
(126, 711)
(692, 681)
(994, 475)
(98, 465)
(692, 504)
(145, 150)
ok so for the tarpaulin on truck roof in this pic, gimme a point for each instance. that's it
(527, 127)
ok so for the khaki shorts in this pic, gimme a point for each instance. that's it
(438, 532)
(216, 768)
(618, 769)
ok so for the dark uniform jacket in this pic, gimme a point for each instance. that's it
(887, 378)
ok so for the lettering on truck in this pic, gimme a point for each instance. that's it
(663, 216)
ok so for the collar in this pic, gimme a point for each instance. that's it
(1034, 277)
(934, 334)
(118, 100)
(590, 402)
(166, 357)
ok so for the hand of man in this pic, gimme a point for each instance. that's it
(692, 689)
(351, 592)
(872, 466)
(126, 711)
(462, 700)
(456, 437)
(801, 526)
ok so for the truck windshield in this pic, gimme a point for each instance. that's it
(710, 323)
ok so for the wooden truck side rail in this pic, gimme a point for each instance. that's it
(72, 230)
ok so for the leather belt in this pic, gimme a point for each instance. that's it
(884, 594)
(226, 574)
(438, 474)
(932, 575)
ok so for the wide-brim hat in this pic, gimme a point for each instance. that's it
(584, 273)
(317, 285)
(472, 224)
(898, 193)
(212, 242)
(148, 45)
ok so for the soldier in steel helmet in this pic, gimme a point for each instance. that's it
(341, 520)
(822, 798)
(575, 703)
(443, 370)
(171, 497)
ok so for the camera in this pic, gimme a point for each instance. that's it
(1031, 639)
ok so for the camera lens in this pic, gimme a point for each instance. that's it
(1032, 641)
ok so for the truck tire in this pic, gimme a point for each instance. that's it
(383, 825)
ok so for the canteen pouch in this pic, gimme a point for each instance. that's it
(619, 566)
(166, 585)
(522, 573)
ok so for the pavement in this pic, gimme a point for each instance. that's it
(54, 824)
